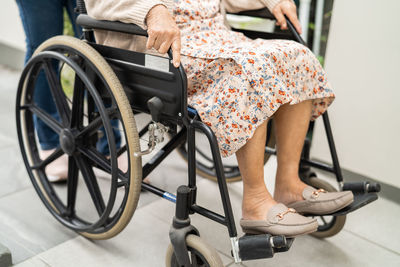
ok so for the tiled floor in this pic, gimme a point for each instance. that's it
(369, 238)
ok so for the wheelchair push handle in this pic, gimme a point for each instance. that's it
(294, 31)
(266, 14)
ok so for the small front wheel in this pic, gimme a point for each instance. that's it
(327, 225)
(200, 253)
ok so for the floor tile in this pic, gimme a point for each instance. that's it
(18, 250)
(33, 262)
(344, 249)
(377, 222)
(139, 244)
(27, 227)
(8, 85)
(12, 172)
(13, 175)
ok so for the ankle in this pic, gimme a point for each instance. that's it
(287, 180)
(256, 206)
(290, 192)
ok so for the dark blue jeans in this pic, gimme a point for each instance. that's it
(43, 19)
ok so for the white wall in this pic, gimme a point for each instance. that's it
(363, 65)
(11, 31)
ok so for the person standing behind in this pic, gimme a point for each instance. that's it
(41, 20)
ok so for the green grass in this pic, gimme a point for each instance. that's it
(68, 30)
(67, 74)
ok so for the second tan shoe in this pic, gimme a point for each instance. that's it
(321, 202)
(280, 220)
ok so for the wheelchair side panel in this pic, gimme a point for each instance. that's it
(142, 83)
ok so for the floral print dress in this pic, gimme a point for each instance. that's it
(236, 83)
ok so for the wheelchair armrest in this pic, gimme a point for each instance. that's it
(87, 22)
(266, 14)
(90, 23)
(259, 13)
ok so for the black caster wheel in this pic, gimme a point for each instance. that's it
(205, 164)
(96, 206)
(327, 225)
(200, 253)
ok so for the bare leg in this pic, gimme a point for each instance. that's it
(291, 124)
(256, 198)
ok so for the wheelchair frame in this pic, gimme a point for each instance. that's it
(186, 195)
(249, 246)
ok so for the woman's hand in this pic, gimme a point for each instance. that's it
(163, 33)
(288, 8)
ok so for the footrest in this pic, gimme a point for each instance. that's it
(360, 200)
(252, 247)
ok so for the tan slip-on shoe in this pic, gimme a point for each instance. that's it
(320, 202)
(280, 221)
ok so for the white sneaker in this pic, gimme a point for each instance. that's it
(56, 171)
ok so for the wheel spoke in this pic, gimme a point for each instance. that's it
(55, 155)
(77, 104)
(101, 161)
(121, 150)
(91, 184)
(46, 118)
(323, 220)
(122, 183)
(57, 93)
(72, 185)
(95, 124)
(92, 128)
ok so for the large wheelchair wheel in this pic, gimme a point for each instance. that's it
(327, 225)
(96, 207)
(205, 163)
(200, 253)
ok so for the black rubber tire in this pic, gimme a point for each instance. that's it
(204, 253)
(132, 190)
(337, 222)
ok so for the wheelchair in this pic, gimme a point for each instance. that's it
(111, 84)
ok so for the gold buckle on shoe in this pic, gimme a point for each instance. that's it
(280, 215)
(316, 192)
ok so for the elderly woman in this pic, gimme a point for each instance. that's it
(236, 84)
